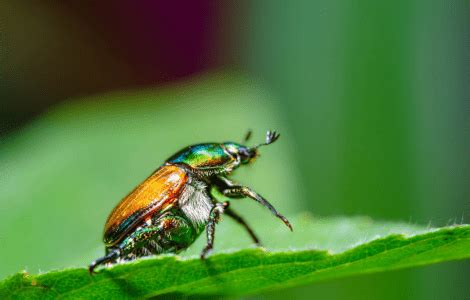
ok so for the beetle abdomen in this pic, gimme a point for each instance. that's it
(156, 194)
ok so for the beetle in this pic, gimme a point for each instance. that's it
(174, 205)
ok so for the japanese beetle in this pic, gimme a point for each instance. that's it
(172, 207)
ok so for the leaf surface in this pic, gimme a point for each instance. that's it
(254, 270)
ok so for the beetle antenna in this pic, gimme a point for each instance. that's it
(271, 137)
(247, 136)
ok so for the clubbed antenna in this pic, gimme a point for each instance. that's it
(271, 137)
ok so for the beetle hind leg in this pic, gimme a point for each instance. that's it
(129, 247)
(111, 256)
(168, 233)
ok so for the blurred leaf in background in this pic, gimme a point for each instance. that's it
(377, 97)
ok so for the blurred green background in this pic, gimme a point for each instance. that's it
(372, 100)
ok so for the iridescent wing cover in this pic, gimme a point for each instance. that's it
(157, 193)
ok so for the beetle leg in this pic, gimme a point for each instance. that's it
(233, 190)
(168, 228)
(128, 245)
(229, 212)
(135, 240)
(214, 217)
(111, 256)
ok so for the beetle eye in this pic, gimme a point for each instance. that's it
(245, 155)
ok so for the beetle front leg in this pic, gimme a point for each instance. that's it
(214, 217)
(233, 190)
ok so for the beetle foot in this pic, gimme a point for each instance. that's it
(206, 251)
(108, 258)
(284, 219)
(91, 268)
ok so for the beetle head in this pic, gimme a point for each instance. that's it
(247, 154)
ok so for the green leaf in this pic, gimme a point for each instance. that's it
(251, 271)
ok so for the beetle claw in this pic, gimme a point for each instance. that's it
(91, 268)
(288, 224)
(205, 251)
